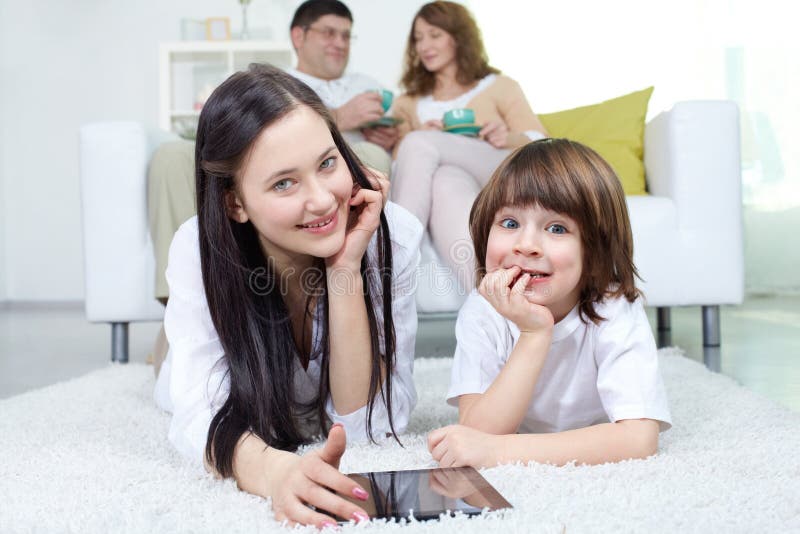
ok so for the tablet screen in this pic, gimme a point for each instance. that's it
(427, 493)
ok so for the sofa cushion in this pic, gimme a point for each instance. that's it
(614, 128)
(438, 291)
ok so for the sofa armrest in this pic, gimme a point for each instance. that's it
(692, 157)
(118, 253)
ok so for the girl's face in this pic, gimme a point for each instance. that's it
(294, 187)
(545, 244)
(435, 47)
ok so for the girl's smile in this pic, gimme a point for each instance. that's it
(296, 194)
(536, 277)
(322, 225)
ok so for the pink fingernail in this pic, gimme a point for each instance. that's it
(358, 516)
(334, 425)
(359, 493)
(328, 524)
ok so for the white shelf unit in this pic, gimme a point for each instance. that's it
(190, 70)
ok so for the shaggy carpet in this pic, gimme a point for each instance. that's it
(91, 455)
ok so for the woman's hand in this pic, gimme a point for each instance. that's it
(433, 124)
(505, 290)
(379, 181)
(495, 133)
(458, 445)
(365, 216)
(295, 481)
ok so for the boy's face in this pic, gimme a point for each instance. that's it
(545, 244)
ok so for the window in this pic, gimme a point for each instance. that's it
(579, 52)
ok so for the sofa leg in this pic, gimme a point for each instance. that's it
(119, 342)
(663, 327)
(711, 338)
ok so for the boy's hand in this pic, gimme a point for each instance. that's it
(504, 289)
(458, 445)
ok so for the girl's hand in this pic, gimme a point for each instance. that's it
(433, 124)
(364, 218)
(379, 181)
(295, 481)
(505, 291)
(458, 445)
(495, 133)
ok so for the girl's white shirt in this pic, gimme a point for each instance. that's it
(429, 109)
(593, 373)
(194, 383)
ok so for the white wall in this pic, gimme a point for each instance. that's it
(580, 52)
(3, 225)
(65, 64)
(4, 75)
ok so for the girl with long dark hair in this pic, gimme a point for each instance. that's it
(291, 311)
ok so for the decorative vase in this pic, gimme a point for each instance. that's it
(245, 31)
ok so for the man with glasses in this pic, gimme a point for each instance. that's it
(321, 36)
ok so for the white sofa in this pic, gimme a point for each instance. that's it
(687, 232)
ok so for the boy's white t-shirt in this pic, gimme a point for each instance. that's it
(593, 373)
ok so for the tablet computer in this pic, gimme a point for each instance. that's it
(426, 493)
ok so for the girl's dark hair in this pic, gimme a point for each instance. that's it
(569, 178)
(243, 288)
(455, 19)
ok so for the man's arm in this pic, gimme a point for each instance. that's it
(360, 109)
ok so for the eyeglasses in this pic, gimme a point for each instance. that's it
(329, 34)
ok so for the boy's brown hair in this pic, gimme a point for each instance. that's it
(569, 178)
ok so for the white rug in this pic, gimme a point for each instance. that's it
(90, 455)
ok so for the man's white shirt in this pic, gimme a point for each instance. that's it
(336, 93)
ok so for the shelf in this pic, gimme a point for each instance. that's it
(190, 70)
(225, 46)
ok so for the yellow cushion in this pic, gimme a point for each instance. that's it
(614, 129)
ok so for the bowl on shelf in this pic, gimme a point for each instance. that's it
(186, 126)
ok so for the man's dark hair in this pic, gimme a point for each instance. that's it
(310, 11)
